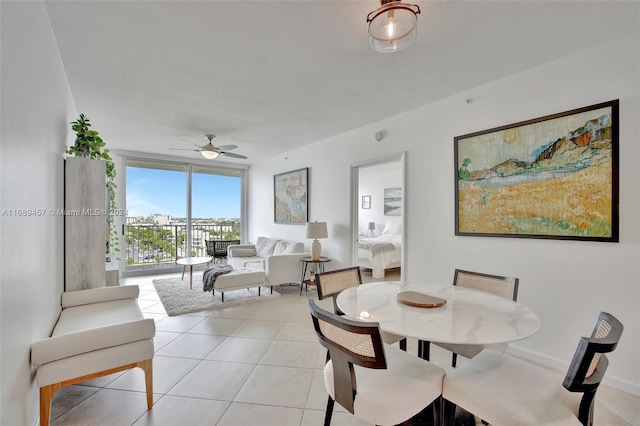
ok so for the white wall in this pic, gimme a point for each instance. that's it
(566, 282)
(373, 181)
(36, 109)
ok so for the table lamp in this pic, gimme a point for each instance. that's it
(372, 227)
(316, 230)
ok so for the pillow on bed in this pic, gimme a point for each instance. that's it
(392, 228)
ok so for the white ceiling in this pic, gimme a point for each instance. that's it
(271, 76)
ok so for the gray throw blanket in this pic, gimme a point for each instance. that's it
(376, 247)
(210, 274)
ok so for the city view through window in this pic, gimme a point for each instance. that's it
(158, 230)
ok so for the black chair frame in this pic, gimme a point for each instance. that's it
(218, 248)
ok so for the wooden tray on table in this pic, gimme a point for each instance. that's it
(421, 300)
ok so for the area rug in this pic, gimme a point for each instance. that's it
(178, 299)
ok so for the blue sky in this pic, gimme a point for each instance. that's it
(152, 191)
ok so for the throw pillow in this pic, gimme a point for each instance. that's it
(265, 246)
(285, 247)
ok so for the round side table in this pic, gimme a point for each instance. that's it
(319, 269)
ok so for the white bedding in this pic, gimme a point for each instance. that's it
(381, 261)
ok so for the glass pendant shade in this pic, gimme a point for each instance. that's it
(393, 26)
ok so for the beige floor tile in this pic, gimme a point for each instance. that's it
(106, 407)
(281, 386)
(291, 354)
(162, 338)
(258, 329)
(213, 380)
(155, 317)
(270, 312)
(317, 399)
(260, 415)
(316, 417)
(236, 311)
(217, 326)
(167, 371)
(624, 404)
(189, 345)
(240, 349)
(179, 323)
(68, 397)
(180, 411)
(299, 331)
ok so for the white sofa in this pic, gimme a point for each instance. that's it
(99, 332)
(279, 259)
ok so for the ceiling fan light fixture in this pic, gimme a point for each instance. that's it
(393, 26)
(210, 155)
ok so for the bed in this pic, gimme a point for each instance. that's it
(383, 252)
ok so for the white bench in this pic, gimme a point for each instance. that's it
(239, 278)
(100, 331)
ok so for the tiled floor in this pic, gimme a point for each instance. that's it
(249, 364)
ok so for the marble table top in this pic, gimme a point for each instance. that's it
(468, 317)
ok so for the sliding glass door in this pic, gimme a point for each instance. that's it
(173, 208)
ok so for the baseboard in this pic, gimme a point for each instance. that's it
(562, 366)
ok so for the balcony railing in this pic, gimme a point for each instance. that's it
(148, 244)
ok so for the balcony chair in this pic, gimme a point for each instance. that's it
(218, 248)
(377, 383)
(506, 287)
(332, 283)
(505, 390)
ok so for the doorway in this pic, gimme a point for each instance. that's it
(378, 217)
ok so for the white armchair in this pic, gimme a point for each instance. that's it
(279, 259)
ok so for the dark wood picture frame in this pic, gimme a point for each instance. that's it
(291, 197)
(553, 177)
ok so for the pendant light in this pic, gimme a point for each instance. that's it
(393, 25)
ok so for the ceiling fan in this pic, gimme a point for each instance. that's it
(210, 151)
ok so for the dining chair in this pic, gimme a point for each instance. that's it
(332, 283)
(376, 382)
(506, 287)
(505, 390)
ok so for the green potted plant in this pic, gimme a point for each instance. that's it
(89, 144)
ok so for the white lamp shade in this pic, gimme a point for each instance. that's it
(316, 230)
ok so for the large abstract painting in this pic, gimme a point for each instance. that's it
(291, 194)
(551, 177)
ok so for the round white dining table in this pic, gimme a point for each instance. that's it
(467, 317)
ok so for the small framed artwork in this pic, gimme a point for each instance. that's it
(291, 197)
(393, 202)
(366, 201)
(553, 177)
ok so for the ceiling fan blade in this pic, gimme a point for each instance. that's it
(185, 149)
(192, 143)
(227, 147)
(231, 154)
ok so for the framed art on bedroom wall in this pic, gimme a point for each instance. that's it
(366, 201)
(393, 202)
(553, 177)
(291, 197)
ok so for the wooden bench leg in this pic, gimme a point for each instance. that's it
(46, 395)
(147, 367)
